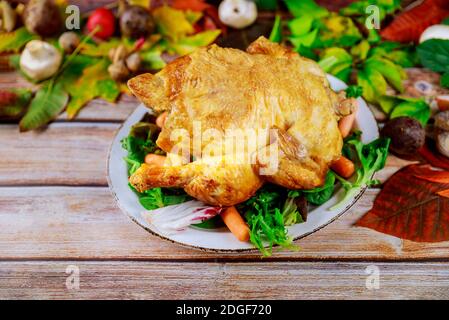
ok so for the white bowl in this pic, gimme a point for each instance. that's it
(221, 239)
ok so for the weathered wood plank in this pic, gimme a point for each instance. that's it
(84, 223)
(66, 154)
(281, 280)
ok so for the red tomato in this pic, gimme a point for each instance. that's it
(105, 19)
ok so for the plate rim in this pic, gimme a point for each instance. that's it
(218, 250)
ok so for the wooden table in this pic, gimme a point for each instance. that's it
(56, 212)
(58, 217)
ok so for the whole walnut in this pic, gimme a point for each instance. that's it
(42, 17)
(407, 135)
(136, 22)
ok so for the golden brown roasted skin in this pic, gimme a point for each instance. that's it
(266, 87)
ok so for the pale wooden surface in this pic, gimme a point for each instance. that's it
(223, 280)
(56, 211)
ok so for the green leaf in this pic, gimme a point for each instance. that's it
(14, 41)
(193, 16)
(373, 84)
(369, 158)
(445, 21)
(387, 103)
(403, 58)
(434, 54)
(373, 36)
(300, 26)
(188, 44)
(304, 40)
(417, 109)
(151, 59)
(358, 8)
(290, 212)
(152, 199)
(361, 50)
(265, 220)
(267, 4)
(276, 31)
(49, 101)
(394, 74)
(94, 82)
(336, 61)
(99, 49)
(307, 52)
(306, 8)
(320, 195)
(74, 69)
(354, 91)
(444, 81)
(338, 31)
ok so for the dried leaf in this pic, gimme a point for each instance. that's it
(409, 25)
(94, 82)
(434, 158)
(142, 3)
(410, 208)
(172, 23)
(188, 44)
(99, 50)
(14, 41)
(444, 193)
(431, 175)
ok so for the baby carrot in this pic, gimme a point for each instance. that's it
(160, 120)
(346, 123)
(235, 223)
(155, 159)
(343, 167)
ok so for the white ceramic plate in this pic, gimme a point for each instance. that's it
(221, 239)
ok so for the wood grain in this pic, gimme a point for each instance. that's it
(84, 223)
(282, 280)
(65, 154)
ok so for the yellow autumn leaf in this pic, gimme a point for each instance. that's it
(142, 3)
(94, 82)
(172, 23)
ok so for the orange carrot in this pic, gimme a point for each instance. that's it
(160, 120)
(155, 159)
(343, 167)
(235, 223)
(346, 123)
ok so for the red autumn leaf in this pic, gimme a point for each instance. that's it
(444, 193)
(410, 208)
(194, 5)
(409, 25)
(7, 97)
(433, 157)
(431, 175)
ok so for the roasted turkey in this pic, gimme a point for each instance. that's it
(267, 92)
